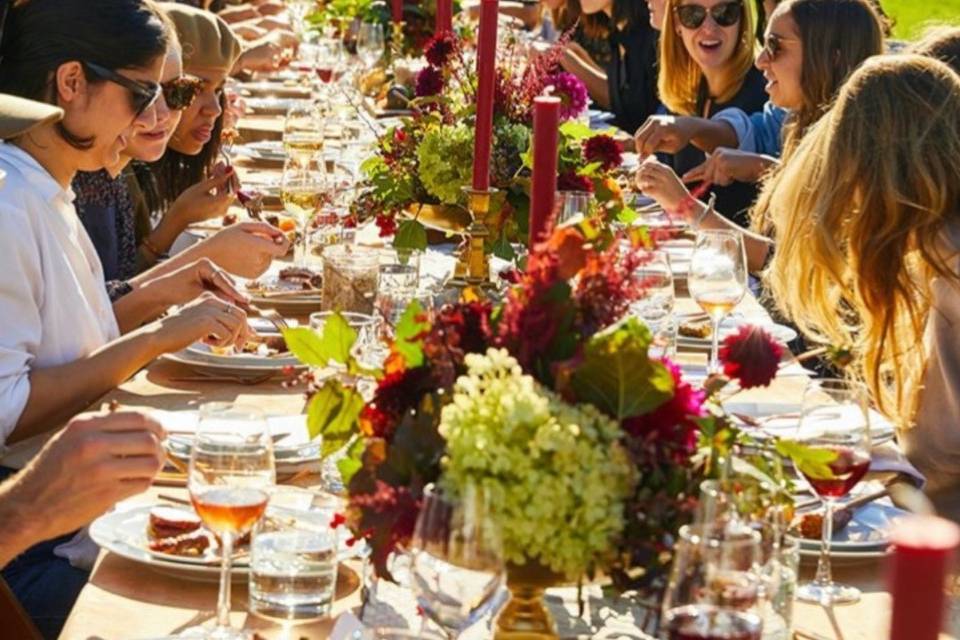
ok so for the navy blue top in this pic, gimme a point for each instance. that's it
(632, 73)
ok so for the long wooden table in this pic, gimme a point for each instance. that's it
(125, 599)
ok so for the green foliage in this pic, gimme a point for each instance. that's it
(411, 234)
(445, 158)
(332, 413)
(408, 341)
(392, 188)
(618, 377)
(813, 462)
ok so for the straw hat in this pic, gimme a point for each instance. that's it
(206, 38)
(19, 115)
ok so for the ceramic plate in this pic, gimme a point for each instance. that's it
(263, 151)
(867, 535)
(781, 419)
(277, 89)
(125, 533)
(781, 333)
(272, 105)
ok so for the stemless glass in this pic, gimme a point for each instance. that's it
(572, 205)
(370, 43)
(303, 130)
(835, 431)
(458, 568)
(231, 469)
(715, 587)
(718, 279)
(301, 192)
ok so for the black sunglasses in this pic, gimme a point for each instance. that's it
(726, 14)
(773, 45)
(143, 94)
(180, 93)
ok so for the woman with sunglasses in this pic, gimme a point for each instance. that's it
(106, 205)
(60, 348)
(188, 183)
(811, 48)
(707, 50)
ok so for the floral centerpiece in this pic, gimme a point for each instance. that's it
(419, 18)
(428, 158)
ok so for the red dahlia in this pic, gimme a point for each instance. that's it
(751, 356)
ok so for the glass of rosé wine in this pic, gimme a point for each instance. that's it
(231, 470)
(832, 454)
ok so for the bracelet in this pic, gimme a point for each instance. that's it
(152, 249)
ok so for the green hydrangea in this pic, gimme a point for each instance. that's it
(556, 474)
(445, 157)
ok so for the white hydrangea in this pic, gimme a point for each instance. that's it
(556, 473)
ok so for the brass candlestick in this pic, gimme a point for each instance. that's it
(473, 261)
(396, 40)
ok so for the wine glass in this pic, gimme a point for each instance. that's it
(458, 568)
(715, 586)
(303, 130)
(330, 60)
(572, 205)
(655, 308)
(717, 280)
(370, 43)
(834, 430)
(231, 469)
(302, 195)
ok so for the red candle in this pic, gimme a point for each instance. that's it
(486, 67)
(546, 120)
(923, 550)
(397, 10)
(444, 16)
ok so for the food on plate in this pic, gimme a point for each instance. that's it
(166, 522)
(290, 280)
(266, 346)
(810, 525)
(306, 278)
(700, 330)
(191, 544)
(229, 219)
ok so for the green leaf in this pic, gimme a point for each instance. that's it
(306, 345)
(617, 375)
(626, 215)
(813, 462)
(352, 461)
(503, 249)
(337, 339)
(590, 170)
(411, 234)
(576, 130)
(333, 413)
(408, 341)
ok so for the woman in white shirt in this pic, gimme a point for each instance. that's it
(61, 345)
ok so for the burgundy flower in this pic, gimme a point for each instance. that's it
(751, 356)
(397, 393)
(439, 49)
(672, 424)
(386, 224)
(570, 181)
(429, 82)
(603, 149)
(572, 93)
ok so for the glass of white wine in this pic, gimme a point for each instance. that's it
(302, 195)
(718, 280)
(303, 133)
(231, 470)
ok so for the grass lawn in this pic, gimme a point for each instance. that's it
(911, 15)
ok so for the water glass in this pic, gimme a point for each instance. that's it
(572, 205)
(368, 349)
(293, 557)
(781, 566)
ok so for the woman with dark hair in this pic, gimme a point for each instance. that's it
(108, 208)
(628, 87)
(100, 62)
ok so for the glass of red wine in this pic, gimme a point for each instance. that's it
(231, 469)
(714, 592)
(833, 455)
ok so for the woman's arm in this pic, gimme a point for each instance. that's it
(589, 73)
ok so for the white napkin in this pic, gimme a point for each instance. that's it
(81, 551)
(889, 457)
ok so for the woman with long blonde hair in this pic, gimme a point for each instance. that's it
(867, 221)
(707, 53)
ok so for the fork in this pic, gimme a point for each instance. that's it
(268, 314)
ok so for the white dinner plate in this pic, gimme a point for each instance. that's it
(288, 89)
(780, 419)
(239, 366)
(125, 534)
(272, 105)
(732, 324)
(263, 151)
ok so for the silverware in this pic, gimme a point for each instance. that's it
(272, 315)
